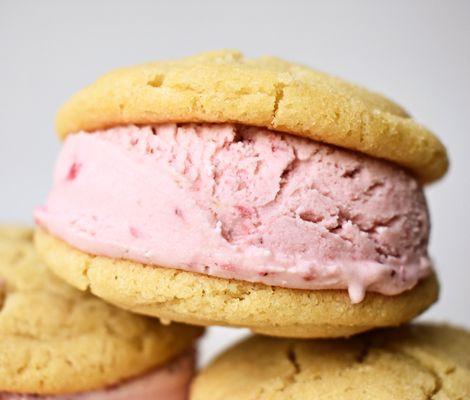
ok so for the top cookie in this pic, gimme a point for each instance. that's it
(55, 339)
(412, 362)
(223, 86)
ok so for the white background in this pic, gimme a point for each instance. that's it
(417, 52)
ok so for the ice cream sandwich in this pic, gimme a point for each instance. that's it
(243, 192)
(57, 342)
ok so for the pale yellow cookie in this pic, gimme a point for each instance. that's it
(181, 296)
(417, 362)
(55, 339)
(223, 86)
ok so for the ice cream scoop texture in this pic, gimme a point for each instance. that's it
(241, 203)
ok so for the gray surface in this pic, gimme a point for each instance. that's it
(417, 52)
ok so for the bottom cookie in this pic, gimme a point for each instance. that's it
(175, 295)
(418, 362)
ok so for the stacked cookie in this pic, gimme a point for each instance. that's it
(219, 190)
(413, 362)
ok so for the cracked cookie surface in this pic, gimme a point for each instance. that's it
(267, 92)
(413, 362)
(203, 300)
(55, 339)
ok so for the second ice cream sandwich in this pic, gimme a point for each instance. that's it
(57, 343)
(257, 193)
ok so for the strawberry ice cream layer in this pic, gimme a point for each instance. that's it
(170, 382)
(241, 203)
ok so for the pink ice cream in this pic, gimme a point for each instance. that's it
(241, 203)
(170, 382)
